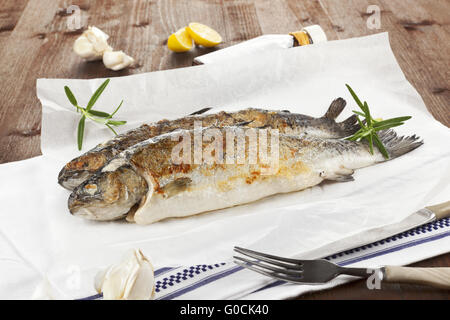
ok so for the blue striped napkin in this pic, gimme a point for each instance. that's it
(216, 281)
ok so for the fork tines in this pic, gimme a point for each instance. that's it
(272, 266)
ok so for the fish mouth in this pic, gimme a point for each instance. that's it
(70, 179)
(96, 211)
(80, 169)
(92, 206)
(97, 214)
(108, 195)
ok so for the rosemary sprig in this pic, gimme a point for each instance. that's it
(370, 126)
(91, 114)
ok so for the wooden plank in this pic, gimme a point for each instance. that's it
(417, 40)
(10, 11)
(422, 30)
(20, 114)
(276, 17)
(313, 12)
(243, 20)
(173, 15)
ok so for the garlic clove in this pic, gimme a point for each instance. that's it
(116, 278)
(92, 44)
(116, 60)
(84, 48)
(132, 279)
(100, 279)
(96, 35)
(113, 284)
(138, 287)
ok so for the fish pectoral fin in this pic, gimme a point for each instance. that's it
(176, 186)
(243, 123)
(341, 175)
(342, 178)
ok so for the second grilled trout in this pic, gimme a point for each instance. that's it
(146, 184)
(84, 166)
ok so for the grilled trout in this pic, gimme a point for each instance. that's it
(145, 184)
(84, 166)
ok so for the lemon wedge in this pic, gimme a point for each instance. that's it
(203, 35)
(180, 41)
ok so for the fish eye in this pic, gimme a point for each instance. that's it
(90, 188)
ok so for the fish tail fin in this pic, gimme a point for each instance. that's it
(335, 108)
(398, 145)
(350, 125)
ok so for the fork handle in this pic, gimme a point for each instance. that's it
(435, 277)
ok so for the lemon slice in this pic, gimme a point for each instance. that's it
(204, 35)
(180, 41)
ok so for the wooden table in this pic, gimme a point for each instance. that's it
(35, 42)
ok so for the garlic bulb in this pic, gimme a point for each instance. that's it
(92, 44)
(131, 279)
(116, 60)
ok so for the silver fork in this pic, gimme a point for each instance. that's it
(321, 271)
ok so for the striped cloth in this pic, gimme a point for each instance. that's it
(214, 281)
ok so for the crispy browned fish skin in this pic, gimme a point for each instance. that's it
(145, 181)
(84, 166)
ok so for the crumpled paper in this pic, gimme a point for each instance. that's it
(41, 239)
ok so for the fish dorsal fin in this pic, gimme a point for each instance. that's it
(201, 111)
(176, 186)
(350, 125)
(335, 108)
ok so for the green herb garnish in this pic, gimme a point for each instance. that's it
(370, 126)
(94, 115)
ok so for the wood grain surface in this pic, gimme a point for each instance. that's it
(35, 42)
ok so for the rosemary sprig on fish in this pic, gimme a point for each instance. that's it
(371, 126)
(145, 185)
(94, 115)
(84, 166)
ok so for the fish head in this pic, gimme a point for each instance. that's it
(109, 194)
(80, 169)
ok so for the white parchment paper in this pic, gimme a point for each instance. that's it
(42, 239)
